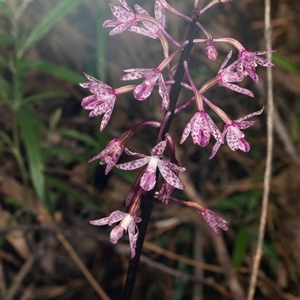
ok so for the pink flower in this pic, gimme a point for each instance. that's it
(110, 155)
(214, 221)
(160, 15)
(144, 90)
(128, 223)
(234, 134)
(201, 126)
(165, 192)
(102, 102)
(227, 75)
(248, 61)
(166, 168)
(126, 18)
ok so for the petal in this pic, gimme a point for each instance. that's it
(148, 181)
(134, 74)
(164, 93)
(244, 145)
(90, 102)
(173, 167)
(132, 165)
(120, 28)
(160, 13)
(214, 221)
(225, 61)
(252, 74)
(100, 222)
(237, 89)
(159, 149)
(215, 149)
(125, 5)
(133, 235)
(169, 176)
(128, 152)
(232, 140)
(250, 115)
(186, 131)
(143, 91)
(106, 117)
(246, 124)
(121, 13)
(214, 129)
(263, 62)
(116, 234)
(143, 31)
(116, 216)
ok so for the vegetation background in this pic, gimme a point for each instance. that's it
(49, 192)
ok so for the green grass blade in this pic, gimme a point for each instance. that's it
(285, 63)
(68, 190)
(30, 132)
(53, 69)
(240, 247)
(62, 8)
(5, 88)
(79, 136)
(43, 96)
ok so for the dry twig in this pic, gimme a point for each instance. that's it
(267, 177)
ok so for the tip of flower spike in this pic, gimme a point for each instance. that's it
(214, 221)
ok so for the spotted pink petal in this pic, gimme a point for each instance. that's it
(148, 181)
(169, 176)
(159, 149)
(160, 13)
(173, 167)
(201, 126)
(215, 149)
(133, 234)
(214, 221)
(143, 90)
(250, 115)
(237, 89)
(122, 14)
(235, 139)
(128, 152)
(134, 74)
(116, 234)
(225, 61)
(114, 217)
(142, 31)
(110, 155)
(135, 164)
(164, 93)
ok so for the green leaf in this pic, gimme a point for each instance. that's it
(52, 69)
(79, 136)
(3, 61)
(5, 88)
(100, 41)
(285, 63)
(68, 190)
(30, 132)
(6, 39)
(240, 246)
(42, 96)
(69, 155)
(5, 9)
(62, 8)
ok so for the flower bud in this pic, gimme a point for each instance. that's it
(210, 50)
